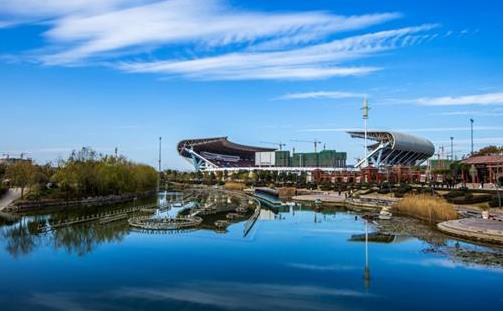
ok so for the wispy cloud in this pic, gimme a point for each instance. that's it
(312, 62)
(141, 36)
(426, 129)
(479, 99)
(320, 95)
(492, 113)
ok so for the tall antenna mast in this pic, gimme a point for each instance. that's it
(159, 178)
(365, 114)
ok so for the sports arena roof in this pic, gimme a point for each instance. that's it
(395, 148)
(217, 152)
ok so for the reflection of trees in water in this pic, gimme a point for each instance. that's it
(24, 237)
(21, 238)
(83, 239)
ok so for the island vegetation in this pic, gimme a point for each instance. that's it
(85, 173)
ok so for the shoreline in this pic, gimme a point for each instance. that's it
(33, 206)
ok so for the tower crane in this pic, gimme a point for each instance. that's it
(315, 142)
(279, 144)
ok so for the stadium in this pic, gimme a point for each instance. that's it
(388, 149)
(394, 148)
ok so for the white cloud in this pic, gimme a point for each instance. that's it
(406, 130)
(316, 61)
(29, 9)
(320, 94)
(192, 38)
(492, 113)
(479, 99)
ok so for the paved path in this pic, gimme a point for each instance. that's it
(11, 195)
(326, 198)
(488, 230)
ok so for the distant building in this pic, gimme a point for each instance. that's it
(440, 164)
(13, 160)
(485, 168)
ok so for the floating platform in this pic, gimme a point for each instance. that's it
(485, 230)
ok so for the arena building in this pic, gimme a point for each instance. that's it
(388, 149)
(394, 148)
(218, 153)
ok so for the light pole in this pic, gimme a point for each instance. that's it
(452, 148)
(159, 177)
(471, 132)
(365, 114)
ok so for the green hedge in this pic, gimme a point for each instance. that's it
(469, 198)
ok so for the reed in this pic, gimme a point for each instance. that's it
(426, 207)
(230, 185)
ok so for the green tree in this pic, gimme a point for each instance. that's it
(21, 174)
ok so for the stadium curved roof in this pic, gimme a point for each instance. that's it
(217, 151)
(395, 148)
(220, 145)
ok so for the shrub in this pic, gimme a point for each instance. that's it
(426, 207)
(234, 185)
(495, 201)
(469, 198)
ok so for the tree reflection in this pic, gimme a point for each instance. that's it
(25, 237)
(81, 240)
(20, 241)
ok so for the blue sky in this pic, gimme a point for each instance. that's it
(120, 73)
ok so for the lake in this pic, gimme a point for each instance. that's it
(294, 258)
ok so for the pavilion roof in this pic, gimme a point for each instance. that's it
(485, 159)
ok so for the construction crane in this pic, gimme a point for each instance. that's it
(280, 144)
(315, 142)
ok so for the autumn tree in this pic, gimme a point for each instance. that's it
(21, 174)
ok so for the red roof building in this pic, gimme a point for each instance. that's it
(486, 168)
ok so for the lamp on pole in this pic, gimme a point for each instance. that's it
(365, 115)
(471, 134)
(452, 148)
(159, 177)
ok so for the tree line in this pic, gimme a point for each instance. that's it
(85, 173)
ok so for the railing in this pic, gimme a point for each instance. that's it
(103, 217)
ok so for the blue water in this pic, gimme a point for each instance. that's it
(296, 260)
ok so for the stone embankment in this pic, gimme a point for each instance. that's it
(26, 206)
(485, 230)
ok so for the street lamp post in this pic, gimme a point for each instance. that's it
(471, 134)
(452, 148)
(365, 114)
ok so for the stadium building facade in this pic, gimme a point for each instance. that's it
(389, 149)
(218, 153)
(394, 148)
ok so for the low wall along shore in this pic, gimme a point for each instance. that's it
(24, 206)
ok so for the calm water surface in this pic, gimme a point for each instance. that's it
(293, 259)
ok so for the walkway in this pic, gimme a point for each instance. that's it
(487, 230)
(11, 195)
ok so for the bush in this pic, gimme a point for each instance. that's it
(456, 193)
(495, 201)
(469, 198)
(426, 207)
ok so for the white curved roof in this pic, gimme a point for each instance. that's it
(396, 148)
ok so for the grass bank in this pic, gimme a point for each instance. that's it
(426, 207)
